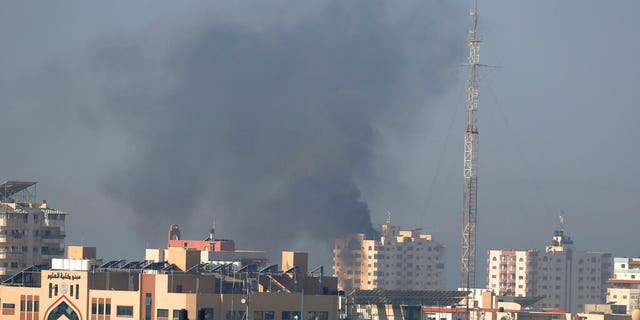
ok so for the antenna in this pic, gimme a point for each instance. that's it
(470, 182)
(388, 221)
(212, 232)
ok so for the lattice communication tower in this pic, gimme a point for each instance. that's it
(470, 203)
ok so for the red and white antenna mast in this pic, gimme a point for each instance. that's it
(469, 202)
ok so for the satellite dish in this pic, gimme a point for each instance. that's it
(243, 300)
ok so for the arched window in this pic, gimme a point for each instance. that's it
(63, 309)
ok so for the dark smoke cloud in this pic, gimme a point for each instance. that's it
(270, 126)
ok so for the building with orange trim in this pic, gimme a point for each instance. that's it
(82, 288)
(211, 250)
(624, 286)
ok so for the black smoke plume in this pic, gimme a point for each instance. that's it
(271, 125)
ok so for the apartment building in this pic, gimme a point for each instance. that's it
(30, 233)
(397, 259)
(624, 286)
(562, 276)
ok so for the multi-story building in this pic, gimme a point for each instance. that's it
(30, 233)
(398, 259)
(78, 288)
(564, 277)
(624, 286)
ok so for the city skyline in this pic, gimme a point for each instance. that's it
(556, 115)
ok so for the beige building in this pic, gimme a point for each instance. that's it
(398, 259)
(213, 251)
(79, 289)
(30, 233)
(624, 286)
(562, 276)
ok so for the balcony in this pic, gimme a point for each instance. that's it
(16, 235)
(52, 251)
(11, 223)
(53, 235)
(8, 238)
(10, 254)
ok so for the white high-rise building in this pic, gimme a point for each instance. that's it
(624, 287)
(564, 277)
(30, 233)
(398, 259)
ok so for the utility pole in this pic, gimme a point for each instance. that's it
(470, 185)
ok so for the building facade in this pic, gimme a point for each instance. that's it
(562, 276)
(30, 233)
(398, 259)
(624, 286)
(77, 288)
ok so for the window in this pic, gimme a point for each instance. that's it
(317, 315)
(235, 315)
(162, 313)
(8, 306)
(290, 315)
(263, 315)
(94, 308)
(147, 306)
(124, 311)
(176, 314)
(205, 314)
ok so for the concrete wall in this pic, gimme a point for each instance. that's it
(80, 252)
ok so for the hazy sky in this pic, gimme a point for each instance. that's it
(134, 115)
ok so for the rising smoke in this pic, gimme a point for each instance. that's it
(273, 125)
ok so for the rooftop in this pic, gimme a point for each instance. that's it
(408, 297)
(10, 188)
